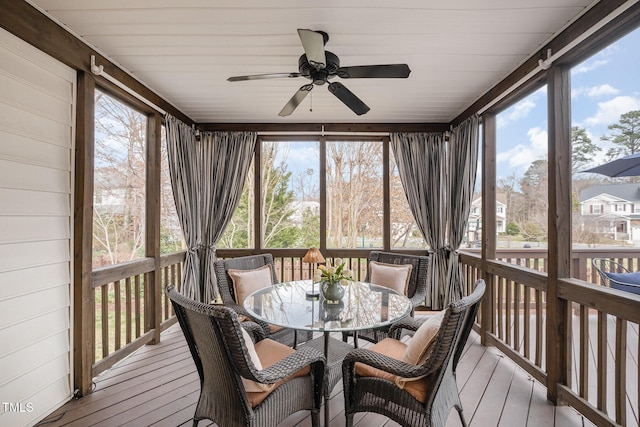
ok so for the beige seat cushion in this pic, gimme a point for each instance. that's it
(393, 276)
(417, 387)
(269, 353)
(245, 282)
(251, 385)
(273, 329)
(419, 344)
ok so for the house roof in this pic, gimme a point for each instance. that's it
(630, 192)
(457, 50)
(501, 199)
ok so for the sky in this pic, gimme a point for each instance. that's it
(603, 87)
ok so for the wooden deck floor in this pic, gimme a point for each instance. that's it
(158, 386)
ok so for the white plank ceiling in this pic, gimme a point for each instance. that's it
(185, 50)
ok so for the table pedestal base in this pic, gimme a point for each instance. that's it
(335, 351)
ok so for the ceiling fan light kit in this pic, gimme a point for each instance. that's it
(320, 65)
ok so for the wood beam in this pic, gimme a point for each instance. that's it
(323, 195)
(489, 225)
(559, 226)
(152, 226)
(257, 200)
(386, 196)
(83, 293)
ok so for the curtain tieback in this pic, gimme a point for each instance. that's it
(196, 248)
(444, 250)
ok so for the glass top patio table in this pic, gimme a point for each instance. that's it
(364, 306)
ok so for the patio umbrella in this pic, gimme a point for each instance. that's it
(624, 166)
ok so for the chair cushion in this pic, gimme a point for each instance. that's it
(419, 344)
(625, 281)
(251, 385)
(631, 278)
(626, 288)
(417, 387)
(273, 329)
(393, 276)
(245, 282)
(270, 352)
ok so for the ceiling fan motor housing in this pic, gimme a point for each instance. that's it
(319, 76)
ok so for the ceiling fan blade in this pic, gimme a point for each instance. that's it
(313, 43)
(295, 100)
(262, 76)
(349, 99)
(392, 71)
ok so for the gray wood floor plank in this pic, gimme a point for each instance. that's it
(516, 405)
(541, 413)
(490, 408)
(471, 394)
(143, 391)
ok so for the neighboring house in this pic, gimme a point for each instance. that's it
(110, 192)
(475, 216)
(613, 210)
(300, 207)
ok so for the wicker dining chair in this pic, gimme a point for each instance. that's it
(286, 336)
(616, 275)
(416, 288)
(222, 358)
(429, 388)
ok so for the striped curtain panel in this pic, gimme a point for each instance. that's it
(463, 159)
(207, 178)
(423, 169)
(439, 178)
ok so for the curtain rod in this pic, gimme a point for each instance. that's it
(544, 64)
(98, 70)
(320, 133)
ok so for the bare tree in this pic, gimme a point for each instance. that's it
(119, 189)
(305, 185)
(533, 218)
(507, 186)
(354, 196)
(276, 196)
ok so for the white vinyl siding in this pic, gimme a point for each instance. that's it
(37, 96)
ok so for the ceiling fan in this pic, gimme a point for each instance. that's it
(319, 66)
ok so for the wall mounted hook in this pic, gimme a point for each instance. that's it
(545, 64)
(96, 69)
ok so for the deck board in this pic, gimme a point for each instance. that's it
(516, 406)
(473, 391)
(541, 414)
(494, 396)
(158, 385)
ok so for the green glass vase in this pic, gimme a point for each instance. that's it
(332, 292)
